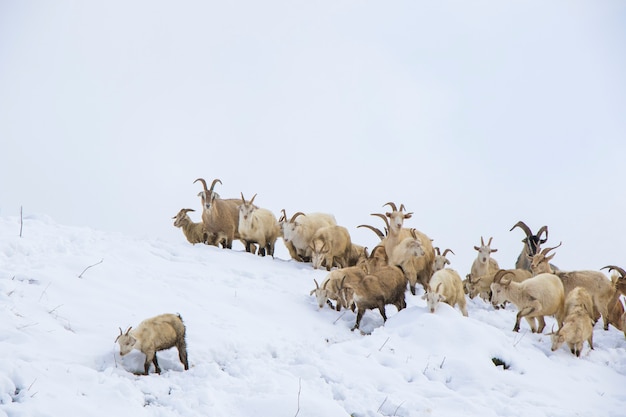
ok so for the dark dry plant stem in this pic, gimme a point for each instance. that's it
(90, 266)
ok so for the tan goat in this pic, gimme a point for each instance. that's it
(536, 297)
(578, 323)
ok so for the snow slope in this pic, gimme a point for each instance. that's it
(258, 345)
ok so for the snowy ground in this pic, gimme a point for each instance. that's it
(258, 345)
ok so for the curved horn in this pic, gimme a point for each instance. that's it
(293, 218)
(216, 180)
(204, 185)
(316, 284)
(501, 273)
(540, 232)
(437, 251)
(617, 268)
(252, 199)
(392, 205)
(401, 207)
(121, 332)
(448, 250)
(546, 250)
(522, 226)
(283, 216)
(382, 216)
(373, 229)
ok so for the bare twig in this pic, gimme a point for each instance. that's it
(520, 339)
(342, 314)
(31, 385)
(299, 390)
(52, 311)
(383, 345)
(44, 291)
(442, 362)
(21, 220)
(381, 405)
(395, 413)
(90, 266)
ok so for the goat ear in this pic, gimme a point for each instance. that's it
(476, 247)
(408, 215)
(494, 250)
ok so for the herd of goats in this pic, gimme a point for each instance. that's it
(362, 280)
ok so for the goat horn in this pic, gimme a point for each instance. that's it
(243, 199)
(617, 268)
(293, 218)
(448, 250)
(546, 250)
(375, 230)
(500, 274)
(382, 216)
(216, 180)
(392, 205)
(482, 242)
(283, 216)
(401, 207)
(437, 251)
(252, 199)
(316, 284)
(203, 184)
(524, 227)
(121, 332)
(490, 239)
(540, 232)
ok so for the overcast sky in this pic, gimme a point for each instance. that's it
(473, 114)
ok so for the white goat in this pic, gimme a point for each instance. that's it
(155, 334)
(599, 285)
(482, 285)
(484, 266)
(536, 297)
(578, 323)
(445, 285)
(257, 225)
(441, 261)
(299, 230)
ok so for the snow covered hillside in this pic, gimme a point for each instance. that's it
(258, 345)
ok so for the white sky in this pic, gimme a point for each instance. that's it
(473, 114)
